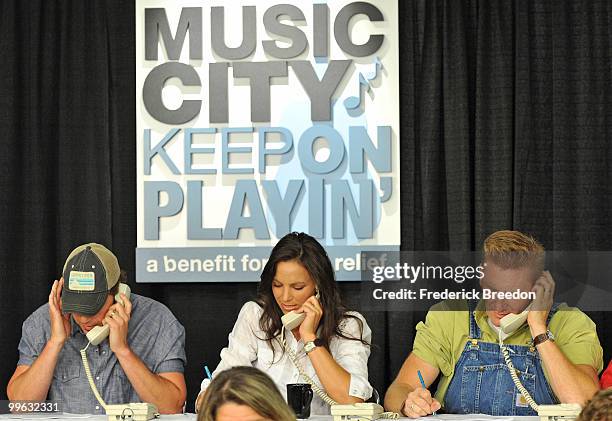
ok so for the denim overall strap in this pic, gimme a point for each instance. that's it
(475, 332)
(482, 383)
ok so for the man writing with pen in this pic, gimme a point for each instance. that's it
(556, 353)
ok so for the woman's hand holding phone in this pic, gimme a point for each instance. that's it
(314, 312)
(544, 288)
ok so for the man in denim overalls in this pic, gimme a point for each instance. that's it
(556, 354)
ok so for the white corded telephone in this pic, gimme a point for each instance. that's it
(564, 411)
(96, 335)
(512, 322)
(363, 411)
(293, 319)
(136, 411)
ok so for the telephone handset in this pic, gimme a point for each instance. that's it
(512, 322)
(564, 411)
(292, 319)
(135, 411)
(96, 335)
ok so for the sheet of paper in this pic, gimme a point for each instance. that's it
(446, 417)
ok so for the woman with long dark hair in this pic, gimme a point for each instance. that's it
(331, 346)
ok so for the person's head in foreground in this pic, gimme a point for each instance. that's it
(243, 394)
(512, 261)
(599, 408)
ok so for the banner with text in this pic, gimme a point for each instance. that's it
(255, 119)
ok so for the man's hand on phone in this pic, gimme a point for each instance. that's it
(544, 288)
(60, 323)
(117, 318)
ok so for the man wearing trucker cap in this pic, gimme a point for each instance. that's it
(143, 359)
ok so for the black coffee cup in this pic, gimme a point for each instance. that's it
(299, 397)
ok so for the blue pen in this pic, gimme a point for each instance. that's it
(207, 372)
(423, 384)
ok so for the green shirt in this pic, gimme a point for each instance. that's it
(440, 340)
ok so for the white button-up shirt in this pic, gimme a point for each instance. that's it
(247, 347)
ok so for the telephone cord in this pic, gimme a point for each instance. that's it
(517, 382)
(90, 376)
(319, 391)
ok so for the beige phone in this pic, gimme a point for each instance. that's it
(292, 319)
(512, 322)
(99, 333)
(565, 411)
(135, 411)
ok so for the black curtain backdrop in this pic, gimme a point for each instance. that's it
(505, 123)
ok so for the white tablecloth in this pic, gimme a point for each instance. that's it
(192, 417)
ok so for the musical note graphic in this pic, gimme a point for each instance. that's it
(355, 105)
(377, 67)
(352, 102)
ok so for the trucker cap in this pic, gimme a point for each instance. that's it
(90, 271)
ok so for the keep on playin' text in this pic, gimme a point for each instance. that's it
(319, 176)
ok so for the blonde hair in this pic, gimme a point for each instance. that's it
(599, 408)
(244, 386)
(513, 249)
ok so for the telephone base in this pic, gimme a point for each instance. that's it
(562, 412)
(356, 412)
(131, 412)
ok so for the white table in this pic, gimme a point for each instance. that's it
(193, 417)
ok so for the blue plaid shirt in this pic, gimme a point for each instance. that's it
(154, 334)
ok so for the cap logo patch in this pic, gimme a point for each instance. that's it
(81, 281)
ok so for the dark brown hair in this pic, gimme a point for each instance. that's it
(307, 251)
